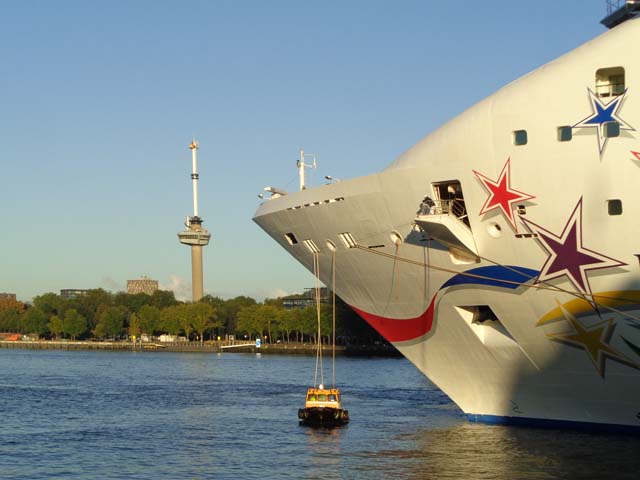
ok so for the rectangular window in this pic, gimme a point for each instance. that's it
(611, 129)
(614, 207)
(565, 134)
(291, 238)
(520, 137)
(348, 240)
(610, 82)
(311, 246)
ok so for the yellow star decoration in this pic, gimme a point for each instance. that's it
(593, 340)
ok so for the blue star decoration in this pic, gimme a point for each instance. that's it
(603, 113)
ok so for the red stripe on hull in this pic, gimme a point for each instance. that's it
(400, 330)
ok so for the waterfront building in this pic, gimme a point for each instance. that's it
(142, 285)
(68, 293)
(305, 299)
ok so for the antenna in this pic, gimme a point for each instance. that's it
(301, 166)
(194, 174)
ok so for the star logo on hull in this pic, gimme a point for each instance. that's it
(603, 113)
(501, 196)
(593, 340)
(567, 255)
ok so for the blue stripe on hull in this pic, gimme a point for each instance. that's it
(550, 423)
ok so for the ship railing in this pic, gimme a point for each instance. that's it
(441, 207)
(610, 89)
(454, 207)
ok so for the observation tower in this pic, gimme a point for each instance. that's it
(195, 235)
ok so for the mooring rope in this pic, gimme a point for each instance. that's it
(538, 286)
(316, 272)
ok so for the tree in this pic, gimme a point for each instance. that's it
(34, 321)
(232, 307)
(249, 320)
(308, 322)
(49, 303)
(74, 323)
(171, 320)
(56, 326)
(131, 301)
(269, 316)
(110, 322)
(150, 319)
(9, 320)
(163, 299)
(288, 323)
(183, 313)
(89, 305)
(202, 318)
(134, 326)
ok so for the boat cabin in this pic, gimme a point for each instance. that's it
(323, 397)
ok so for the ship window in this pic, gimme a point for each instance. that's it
(610, 82)
(520, 137)
(291, 238)
(348, 240)
(614, 207)
(311, 246)
(611, 129)
(564, 134)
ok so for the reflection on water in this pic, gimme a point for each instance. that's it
(478, 451)
(126, 415)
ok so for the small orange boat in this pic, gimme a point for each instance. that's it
(323, 408)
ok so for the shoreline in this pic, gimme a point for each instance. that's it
(293, 348)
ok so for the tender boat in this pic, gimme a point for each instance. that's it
(323, 408)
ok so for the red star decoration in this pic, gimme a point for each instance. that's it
(501, 195)
(636, 154)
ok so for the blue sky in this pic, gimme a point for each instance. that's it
(99, 101)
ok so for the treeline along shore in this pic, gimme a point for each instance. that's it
(99, 319)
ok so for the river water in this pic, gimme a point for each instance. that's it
(144, 415)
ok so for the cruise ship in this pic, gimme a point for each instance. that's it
(508, 272)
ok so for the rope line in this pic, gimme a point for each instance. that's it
(540, 286)
(316, 272)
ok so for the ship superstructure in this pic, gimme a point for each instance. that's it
(508, 272)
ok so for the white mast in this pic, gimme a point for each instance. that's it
(301, 166)
(194, 174)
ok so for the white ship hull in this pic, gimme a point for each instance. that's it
(525, 304)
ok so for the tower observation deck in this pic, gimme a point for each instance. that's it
(195, 235)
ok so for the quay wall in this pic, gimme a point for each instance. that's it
(292, 348)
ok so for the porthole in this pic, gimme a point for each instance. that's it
(494, 230)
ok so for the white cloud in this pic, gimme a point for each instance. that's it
(111, 285)
(179, 286)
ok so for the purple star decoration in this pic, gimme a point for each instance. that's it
(567, 257)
